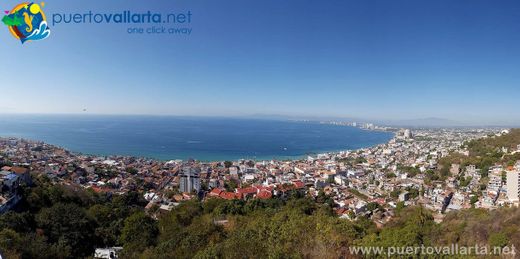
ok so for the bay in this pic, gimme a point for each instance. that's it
(200, 138)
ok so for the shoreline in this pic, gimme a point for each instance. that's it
(211, 147)
(278, 159)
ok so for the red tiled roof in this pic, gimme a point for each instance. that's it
(96, 189)
(264, 194)
(299, 184)
(215, 192)
(19, 170)
(248, 190)
(341, 211)
(261, 187)
(380, 201)
(227, 195)
(286, 187)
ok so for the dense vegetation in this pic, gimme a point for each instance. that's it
(55, 221)
(483, 153)
(62, 222)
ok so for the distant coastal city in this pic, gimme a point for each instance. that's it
(369, 182)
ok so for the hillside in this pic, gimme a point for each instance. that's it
(484, 153)
(59, 222)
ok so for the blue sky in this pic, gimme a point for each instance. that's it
(375, 59)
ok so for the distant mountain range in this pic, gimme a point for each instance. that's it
(426, 122)
(431, 122)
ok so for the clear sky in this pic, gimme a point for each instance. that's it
(376, 59)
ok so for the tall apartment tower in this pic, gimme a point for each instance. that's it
(408, 134)
(513, 184)
(189, 179)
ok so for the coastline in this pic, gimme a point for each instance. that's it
(258, 159)
(205, 140)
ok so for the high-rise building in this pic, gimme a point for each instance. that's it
(189, 179)
(408, 134)
(513, 184)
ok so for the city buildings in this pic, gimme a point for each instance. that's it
(189, 180)
(400, 170)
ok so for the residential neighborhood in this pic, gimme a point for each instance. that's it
(371, 181)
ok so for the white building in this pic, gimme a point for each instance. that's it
(513, 184)
(341, 180)
(495, 179)
(107, 253)
(408, 134)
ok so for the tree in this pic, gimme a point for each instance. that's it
(228, 164)
(498, 239)
(110, 221)
(413, 227)
(324, 198)
(139, 232)
(395, 193)
(371, 206)
(18, 245)
(230, 185)
(19, 222)
(473, 199)
(131, 170)
(410, 170)
(250, 163)
(10, 243)
(400, 206)
(412, 192)
(69, 226)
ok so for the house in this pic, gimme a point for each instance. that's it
(455, 169)
(404, 196)
(228, 195)
(233, 171)
(215, 192)
(10, 186)
(264, 195)
(341, 180)
(246, 193)
(107, 253)
(8, 203)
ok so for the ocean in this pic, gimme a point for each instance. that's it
(200, 138)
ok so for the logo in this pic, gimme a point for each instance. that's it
(27, 22)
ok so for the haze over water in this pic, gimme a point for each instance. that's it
(208, 139)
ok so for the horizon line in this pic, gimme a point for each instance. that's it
(415, 122)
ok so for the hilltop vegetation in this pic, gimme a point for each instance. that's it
(55, 221)
(61, 222)
(483, 153)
